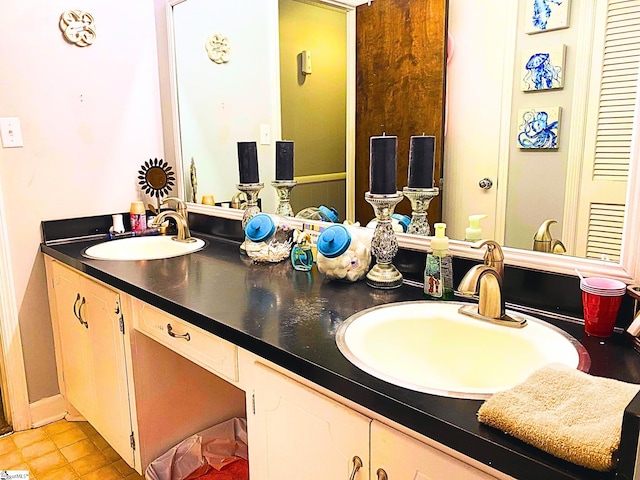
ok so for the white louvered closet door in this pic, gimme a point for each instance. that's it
(609, 135)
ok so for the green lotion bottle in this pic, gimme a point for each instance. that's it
(438, 273)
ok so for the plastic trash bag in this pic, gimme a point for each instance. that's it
(193, 457)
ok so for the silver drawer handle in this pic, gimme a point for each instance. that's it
(382, 475)
(357, 465)
(186, 336)
(77, 310)
(82, 320)
(75, 306)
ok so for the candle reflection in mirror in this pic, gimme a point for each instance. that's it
(420, 190)
(249, 181)
(284, 181)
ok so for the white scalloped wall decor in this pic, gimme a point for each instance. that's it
(218, 48)
(78, 27)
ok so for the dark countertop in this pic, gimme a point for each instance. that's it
(290, 318)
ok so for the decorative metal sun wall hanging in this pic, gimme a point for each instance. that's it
(156, 178)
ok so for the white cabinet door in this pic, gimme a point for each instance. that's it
(298, 433)
(404, 458)
(92, 354)
(111, 418)
(75, 345)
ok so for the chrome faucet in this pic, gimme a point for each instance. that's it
(179, 216)
(486, 281)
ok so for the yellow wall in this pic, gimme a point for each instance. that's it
(314, 106)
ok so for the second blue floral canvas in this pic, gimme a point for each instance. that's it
(539, 127)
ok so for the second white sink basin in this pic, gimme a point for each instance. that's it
(430, 347)
(142, 248)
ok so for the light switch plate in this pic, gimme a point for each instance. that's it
(10, 132)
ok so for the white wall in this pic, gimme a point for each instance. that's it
(90, 117)
(222, 104)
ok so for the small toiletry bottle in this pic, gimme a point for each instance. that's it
(301, 255)
(138, 217)
(438, 273)
(473, 232)
(118, 224)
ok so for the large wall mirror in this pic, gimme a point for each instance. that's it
(485, 100)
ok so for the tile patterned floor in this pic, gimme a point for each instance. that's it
(63, 451)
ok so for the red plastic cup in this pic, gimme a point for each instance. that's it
(600, 313)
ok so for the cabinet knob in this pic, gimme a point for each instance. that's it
(357, 465)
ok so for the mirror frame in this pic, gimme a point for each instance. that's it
(627, 270)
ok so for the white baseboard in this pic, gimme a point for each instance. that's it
(48, 410)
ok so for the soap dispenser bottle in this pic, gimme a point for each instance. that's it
(473, 232)
(438, 273)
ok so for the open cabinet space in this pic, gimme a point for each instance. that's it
(176, 398)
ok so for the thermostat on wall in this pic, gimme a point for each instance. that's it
(305, 64)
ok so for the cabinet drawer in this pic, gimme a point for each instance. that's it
(216, 355)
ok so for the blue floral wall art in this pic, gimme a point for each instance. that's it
(538, 128)
(545, 15)
(542, 69)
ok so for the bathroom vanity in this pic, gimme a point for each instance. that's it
(150, 352)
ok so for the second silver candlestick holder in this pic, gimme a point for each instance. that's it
(384, 244)
(283, 190)
(420, 199)
(251, 190)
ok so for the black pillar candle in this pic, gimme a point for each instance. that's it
(248, 162)
(421, 152)
(383, 164)
(284, 160)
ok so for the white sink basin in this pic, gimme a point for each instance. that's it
(429, 347)
(142, 248)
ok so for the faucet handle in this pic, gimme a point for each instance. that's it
(493, 257)
(181, 206)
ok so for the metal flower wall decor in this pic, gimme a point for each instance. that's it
(156, 178)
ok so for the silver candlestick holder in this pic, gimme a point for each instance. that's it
(283, 190)
(420, 199)
(251, 190)
(384, 244)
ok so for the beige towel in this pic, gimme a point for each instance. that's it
(565, 412)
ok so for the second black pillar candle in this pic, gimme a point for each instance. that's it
(383, 165)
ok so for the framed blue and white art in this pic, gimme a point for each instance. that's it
(539, 128)
(542, 69)
(545, 15)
